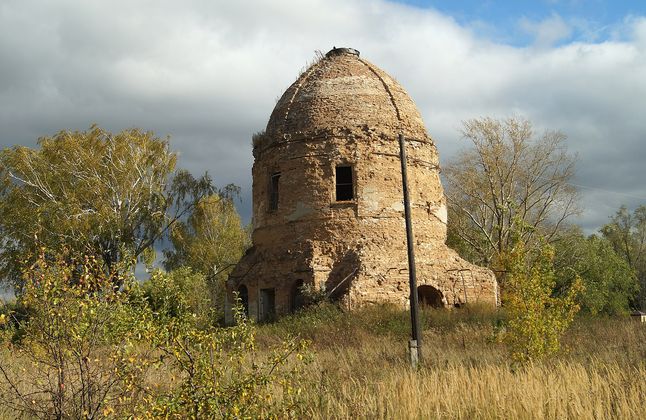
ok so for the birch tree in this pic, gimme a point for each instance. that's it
(210, 241)
(111, 196)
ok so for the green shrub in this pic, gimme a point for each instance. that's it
(90, 349)
(536, 318)
(76, 348)
(219, 373)
(181, 293)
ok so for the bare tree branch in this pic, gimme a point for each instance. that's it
(508, 174)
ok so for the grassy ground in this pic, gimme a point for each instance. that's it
(360, 368)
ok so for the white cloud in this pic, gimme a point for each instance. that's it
(548, 31)
(208, 73)
(638, 26)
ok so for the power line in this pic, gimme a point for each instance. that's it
(606, 191)
(599, 189)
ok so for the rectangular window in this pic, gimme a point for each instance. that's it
(344, 183)
(273, 191)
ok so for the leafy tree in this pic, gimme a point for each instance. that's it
(627, 234)
(210, 241)
(111, 196)
(509, 176)
(537, 319)
(610, 284)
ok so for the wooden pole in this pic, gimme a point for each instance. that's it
(415, 344)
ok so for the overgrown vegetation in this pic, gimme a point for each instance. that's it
(626, 232)
(109, 196)
(77, 342)
(85, 348)
(537, 320)
(210, 242)
(610, 286)
(360, 367)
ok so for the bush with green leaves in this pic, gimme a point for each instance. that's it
(626, 232)
(610, 285)
(212, 371)
(218, 373)
(181, 293)
(75, 350)
(86, 348)
(537, 319)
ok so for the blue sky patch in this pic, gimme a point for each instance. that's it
(521, 23)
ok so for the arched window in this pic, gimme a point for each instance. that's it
(429, 296)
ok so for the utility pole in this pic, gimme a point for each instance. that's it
(415, 344)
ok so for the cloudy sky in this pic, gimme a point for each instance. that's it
(208, 73)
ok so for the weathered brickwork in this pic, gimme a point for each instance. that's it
(345, 112)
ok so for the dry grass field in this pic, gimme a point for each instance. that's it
(360, 370)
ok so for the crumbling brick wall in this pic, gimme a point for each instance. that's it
(344, 111)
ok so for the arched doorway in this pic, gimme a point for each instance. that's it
(296, 298)
(429, 296)
(243, 295)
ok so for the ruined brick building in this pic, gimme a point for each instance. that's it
(327, 199)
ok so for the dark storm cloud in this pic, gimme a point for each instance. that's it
(208, 73)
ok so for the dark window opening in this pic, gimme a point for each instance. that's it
(243, 295)
(273, 192)
(344, 183)
(297, 299)
(429, 296)
(267, 304)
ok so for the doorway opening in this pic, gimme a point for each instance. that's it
(243, 295)
(267, 304)
(429, 296)
(296, 298)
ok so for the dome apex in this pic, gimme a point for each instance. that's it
(339, 51)
(343, 92)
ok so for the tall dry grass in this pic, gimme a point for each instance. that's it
(360, 368)
(364, 384)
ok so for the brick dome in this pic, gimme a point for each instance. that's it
(342, 90)
(328, 210)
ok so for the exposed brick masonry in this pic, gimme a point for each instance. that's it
(344, 111)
